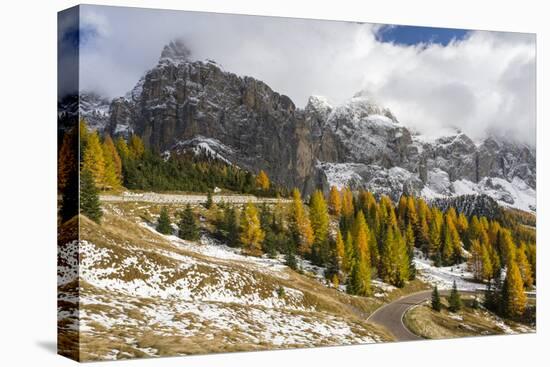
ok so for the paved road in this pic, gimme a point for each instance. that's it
(391, 315)
(152, 197)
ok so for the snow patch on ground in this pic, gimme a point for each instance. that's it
(172, 294)
(444, 276)
(212, 248)
(209, 147)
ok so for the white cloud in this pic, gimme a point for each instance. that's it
(483, 83)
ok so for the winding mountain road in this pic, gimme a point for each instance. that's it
(391, 315)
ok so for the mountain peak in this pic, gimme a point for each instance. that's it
(318, 104)
(363, 104)
(175, 52)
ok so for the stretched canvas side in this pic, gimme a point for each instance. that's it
(68, 184)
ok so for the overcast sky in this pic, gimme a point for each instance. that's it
(479, 82)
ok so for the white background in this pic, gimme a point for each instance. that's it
(28, 182)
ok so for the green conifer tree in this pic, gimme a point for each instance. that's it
(409, 240)
(188, 228)
(436, 300)
(455, 302)
(163, 224)
(359, 279)
(89, 199)
(231, 226)
(290, 258)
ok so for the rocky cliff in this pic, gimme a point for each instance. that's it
(182, 104)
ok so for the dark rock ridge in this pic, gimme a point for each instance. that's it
(181, 103)
(180, 100)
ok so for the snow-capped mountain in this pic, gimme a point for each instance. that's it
(181, 103)
(375, 152)
(95, 110)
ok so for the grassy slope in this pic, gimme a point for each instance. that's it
(118, 325)
(424, 321)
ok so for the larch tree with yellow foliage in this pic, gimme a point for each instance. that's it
(340, 246)
(113, 165)
(347, 212)
(422, 229)
(349, 252)
(507, 247)
(524, 266)
(136, 147)
(435, 233)
(411, 214)
(122, 148)
(462, 224)
(299, 225)
(409, 242)
(452, 248)
(474, 231)
(479, 262)
(93, 160)
(262, 181)
(394, 258)
(251, 233)
(402, 210)
(113, 152)
(361, 237)
(487, 264)
(335, 201)
(515, 298)
(359, 280)
(319, 218)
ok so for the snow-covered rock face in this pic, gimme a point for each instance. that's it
(442, 167)
(376, 153)
(318, 106)
(368, 133)
(95, 110)
(383, 181)
(206, 147)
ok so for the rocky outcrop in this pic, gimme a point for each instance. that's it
(95, 109)
(357, 143)
(179, 100)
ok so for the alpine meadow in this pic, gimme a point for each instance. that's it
(286, 183)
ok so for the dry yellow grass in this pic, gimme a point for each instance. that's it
(122, 234)
(424, 321)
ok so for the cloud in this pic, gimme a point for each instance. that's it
(484, 83)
